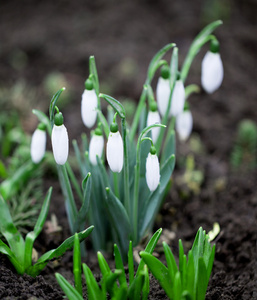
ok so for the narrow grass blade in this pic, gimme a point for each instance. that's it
(93, 290)
(67, 288)
(119, 265)
(77, 265)
(171, 263)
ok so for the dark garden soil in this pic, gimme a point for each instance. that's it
(40, 37)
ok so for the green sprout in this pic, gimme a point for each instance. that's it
(189, 280)
(113, 283)
(244, 154)
(19, 251)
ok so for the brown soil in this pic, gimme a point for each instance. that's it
(123, 36)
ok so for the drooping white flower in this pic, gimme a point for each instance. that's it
(184, 125)
(212, 69)
(152, 171)
(178, 98)
(38, 144)
(60, 141)
(96, 147)
(162, 95)
(153, 117)
(114, 150)
(89, 105)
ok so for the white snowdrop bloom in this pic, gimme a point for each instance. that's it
(178, 98)
(38, 145)
(212, 72)
(162, 95)
(184, 125)
(152, 171)
(96, 147)
(153, 117)
(114, 151)
(60, 141)
(89, 105)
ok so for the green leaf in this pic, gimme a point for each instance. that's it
(134, 290)
(171, 263)
(43, 119)
(67, 288)
(202, 281)
(104, 123)
(159, 271)
(130, 263)
(169, 146)
(52, 105)
(154, 64)
(119, 219)
(146, 285)
(77, 265)
(119, 265)
(55, 253)
(117, 106)
(10, 232)
(190, 275)
(177, 287)
(203, 37)
(81, 217)
(93, 290)
(31, 236)
(150, 248)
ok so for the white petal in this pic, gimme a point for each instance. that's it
(88, 108)
(153, 117)
(96, 147)
(178, 98)
(60, 144)
(212, 72)
(162, 95)
(152, 172)
(38, 145)
(114, 151)
(184, 125)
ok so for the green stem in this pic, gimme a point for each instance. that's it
(74, 182)
(70, 205)
(126, 167)
(116, 184)
(140, 107)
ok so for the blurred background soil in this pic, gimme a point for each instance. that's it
(45, 45)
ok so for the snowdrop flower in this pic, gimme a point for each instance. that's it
(153, 117)
(114, 149)
(212, 69)
(163, 90)
(60, 140)
(38, 144)
(89, 105)
(96, 146)
(152, 170)
(184, 125)
(178, 98)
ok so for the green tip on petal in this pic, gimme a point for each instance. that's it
(214, 46)
(114, 127)
(58, 119)
(89, 84)
(153, 150)
(153, 106)
(165, 72)
(41, 126)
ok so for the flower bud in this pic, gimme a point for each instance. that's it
(163, 94)
(89, 105)
(114, 150)
(212, 69)
(96, 147)
(60, 141)
(152, 170)
(178, 98)
(38, 144)
(184, 125)
(153, 117)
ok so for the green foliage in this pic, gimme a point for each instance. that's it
(244, 153)
(190, 279)
(19, 250)
(113, 283)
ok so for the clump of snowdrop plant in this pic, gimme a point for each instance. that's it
(129, 183)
